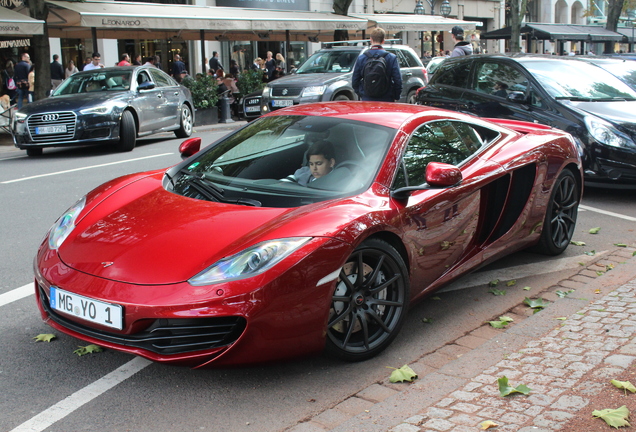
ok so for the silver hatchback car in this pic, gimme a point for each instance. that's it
(326, 76)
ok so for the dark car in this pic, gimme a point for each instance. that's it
(222, 259)
(567, 93)
(326, 76)
(250, 106)
(106, 106)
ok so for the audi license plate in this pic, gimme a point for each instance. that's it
(282, 103)
(41, 130)
(253, 109)
(95, 311)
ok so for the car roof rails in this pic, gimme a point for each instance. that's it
(363, 42)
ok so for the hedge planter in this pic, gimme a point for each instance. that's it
(206, 116)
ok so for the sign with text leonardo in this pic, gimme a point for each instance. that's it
(300, 5)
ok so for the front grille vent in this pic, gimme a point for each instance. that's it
(61, 120)
(286, 91)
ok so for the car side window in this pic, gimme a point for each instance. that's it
(453, 74)
(160, 79)
(143, 77)
(499, 79)
(410, 59)
(401, 61)
(439, 141)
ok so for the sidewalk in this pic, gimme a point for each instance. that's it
(566, 353)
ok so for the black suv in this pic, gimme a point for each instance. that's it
(326, 76)
(567, 93)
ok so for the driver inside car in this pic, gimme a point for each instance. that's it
(321, 161)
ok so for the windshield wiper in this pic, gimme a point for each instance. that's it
(213, 192)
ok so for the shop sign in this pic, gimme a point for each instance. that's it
(16, 43)
(300, 5)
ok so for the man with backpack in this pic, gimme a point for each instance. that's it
(376, 75)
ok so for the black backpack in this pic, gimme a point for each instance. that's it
(375, 78)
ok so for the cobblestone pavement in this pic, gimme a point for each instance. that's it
(552, 352)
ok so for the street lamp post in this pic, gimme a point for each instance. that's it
(445, 10)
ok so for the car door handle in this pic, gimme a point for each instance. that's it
(176, 93)
(159, 95)
(408, 74)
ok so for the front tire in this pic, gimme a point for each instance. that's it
(369, 303)
(341, 98)
(186, 123)
(127, 133)
(560, 217)
(411, 97)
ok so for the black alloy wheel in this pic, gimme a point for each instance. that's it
(369, 303)
(560, 217)
(127, 132)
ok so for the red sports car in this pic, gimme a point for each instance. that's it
(313, 228)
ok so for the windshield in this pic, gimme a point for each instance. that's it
(623, 69)
(336, 61)
(273, 162)
(97, 81)
(578, 80)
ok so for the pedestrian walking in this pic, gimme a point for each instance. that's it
(178, 68)
(215, 63)
(70, 69)
(462, 47)
(57, 72)
(270, 65)
(21, 78)
(124, 60)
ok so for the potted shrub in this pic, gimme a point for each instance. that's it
(250, 81)
(205, 98)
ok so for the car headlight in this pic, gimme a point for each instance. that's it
(65, 224)
(314, 90)
(266, 91)
(605, 133)
(103, 109)
(20, 116)
(250, 262)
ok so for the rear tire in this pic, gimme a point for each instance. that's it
(411, 97)
(127, 133)
(369, 303)
(560, 216)
(185, 125)
(34, 151)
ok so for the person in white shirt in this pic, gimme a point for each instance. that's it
(95, 64)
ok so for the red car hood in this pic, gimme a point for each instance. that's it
(143, 234)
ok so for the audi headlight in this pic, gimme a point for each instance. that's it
(605, 133)
(103, 109)
(20, 116)
(314, 90)
(65, 224)
(250, 262)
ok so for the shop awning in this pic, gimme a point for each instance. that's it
(413, 22)
(628, 32)
(128, 16)
(564, 32)
(13, 23)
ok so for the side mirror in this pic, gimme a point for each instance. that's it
(440, 174)
(189, 147)
(148, 85)
(517, 97)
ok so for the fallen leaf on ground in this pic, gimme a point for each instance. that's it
(487, 425)
(614, 417)
(620, 244)
(505, 389)
(511, 283)
(405, 373)
(493, 283)
(497, 292)
(535, 303)
(45, 337)
(577, 243)
(624, 385)
(502, 322)
(563, 294)
(88, 349)
(595, 230)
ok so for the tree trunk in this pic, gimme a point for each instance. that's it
(341, 7)
(41, 52)
(517, 11)
(614, 9)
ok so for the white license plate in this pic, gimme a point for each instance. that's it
(50, 129)
(95, 311)
(282, 103)
(253, 109)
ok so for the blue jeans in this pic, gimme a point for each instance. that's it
(22, 94)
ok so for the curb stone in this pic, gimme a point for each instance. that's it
(458, 395)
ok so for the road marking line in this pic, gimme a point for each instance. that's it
(84, 168)
(517, 272)
(81, 397)
(17, 294)
(608, 213)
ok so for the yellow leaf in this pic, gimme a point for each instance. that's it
(487, 425)
(45, 337)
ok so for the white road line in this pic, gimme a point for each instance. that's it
(84, 168)
(17, 294)
(81, 397)
(608, 213)
(520, 271)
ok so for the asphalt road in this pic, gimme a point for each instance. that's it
(44, 386)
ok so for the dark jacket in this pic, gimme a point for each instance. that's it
(21, 71)
(215, 64)
(57, 71)
(393, 68)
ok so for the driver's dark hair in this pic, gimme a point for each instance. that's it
(322, 147)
